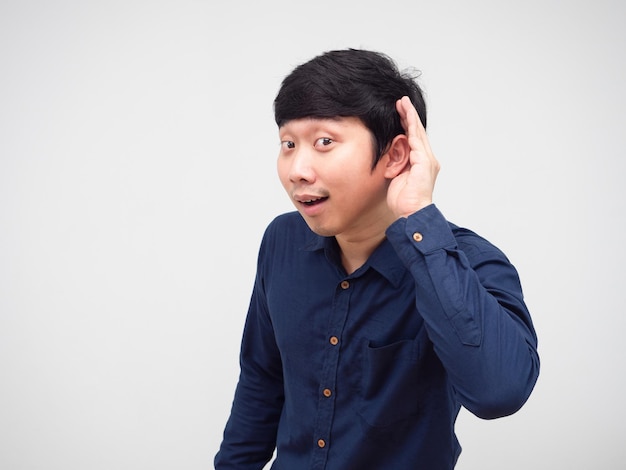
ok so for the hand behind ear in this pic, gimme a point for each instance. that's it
(412, 188)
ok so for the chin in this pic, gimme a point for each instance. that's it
(320, 230)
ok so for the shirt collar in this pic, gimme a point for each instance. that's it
(384, 259)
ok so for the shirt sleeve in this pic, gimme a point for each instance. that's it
(471, 300)
(250, 432)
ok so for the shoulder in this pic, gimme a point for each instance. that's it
(287, 225)
(285, 242)
(474, 245)
(286, 230)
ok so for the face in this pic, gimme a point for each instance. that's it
(325, 165)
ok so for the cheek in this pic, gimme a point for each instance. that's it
(282, 168)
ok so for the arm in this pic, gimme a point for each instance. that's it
(467, 291)
(250, 433)
(472, 304)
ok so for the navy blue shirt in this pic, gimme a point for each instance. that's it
(369, 370)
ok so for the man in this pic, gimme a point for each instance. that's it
(372, 319)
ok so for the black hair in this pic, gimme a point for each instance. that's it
(350, 83)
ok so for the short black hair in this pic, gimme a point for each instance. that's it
(350, 83)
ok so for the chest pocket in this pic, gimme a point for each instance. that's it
(389, 383)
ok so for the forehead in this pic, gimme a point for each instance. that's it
(338, 124)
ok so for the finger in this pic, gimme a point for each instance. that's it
(414, 127)
(403, 112)
(419, 143)
(410, 115)
(410, 119)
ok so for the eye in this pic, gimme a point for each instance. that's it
(288, 144)
(323, 142)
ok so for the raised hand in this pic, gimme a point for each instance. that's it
(412, 189)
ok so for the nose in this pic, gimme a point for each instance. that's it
(301, 167)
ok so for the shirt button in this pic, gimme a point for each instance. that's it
(345, 284)
(327, 393)
(334, 340)
(321, 443)
(418, 237)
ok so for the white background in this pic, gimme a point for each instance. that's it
(137, 174)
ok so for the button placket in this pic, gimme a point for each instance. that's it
(328, 378)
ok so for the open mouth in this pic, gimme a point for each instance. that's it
(313, 202)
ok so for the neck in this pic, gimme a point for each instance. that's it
(356, 249)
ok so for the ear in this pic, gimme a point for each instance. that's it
(397, 158)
